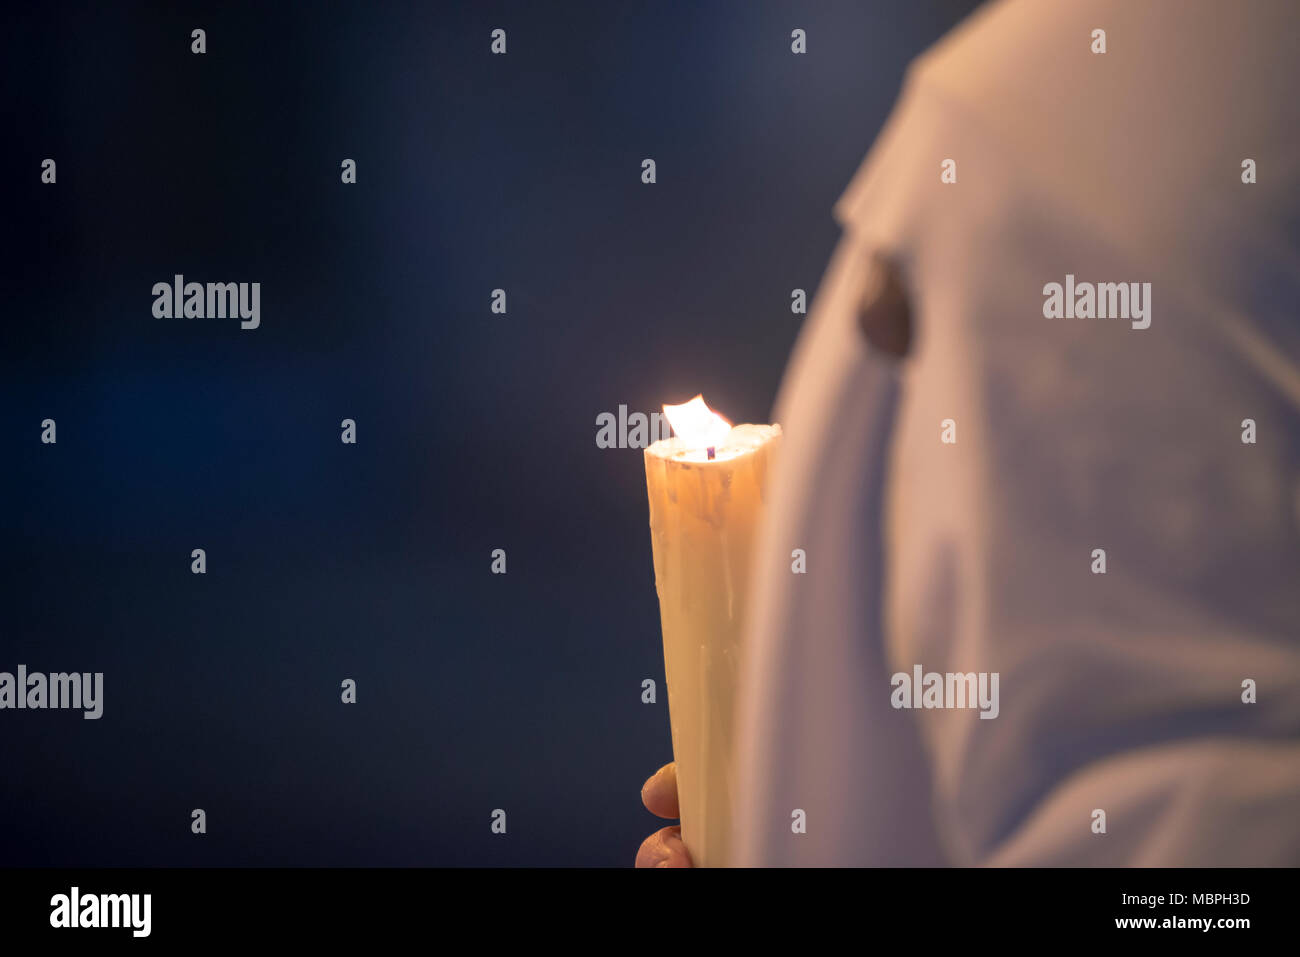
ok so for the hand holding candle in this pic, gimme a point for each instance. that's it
(706, 488)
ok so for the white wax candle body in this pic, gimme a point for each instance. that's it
(704, 517)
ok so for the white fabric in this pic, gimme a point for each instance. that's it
(1120, 692)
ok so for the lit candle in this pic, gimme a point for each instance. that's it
(706, 486)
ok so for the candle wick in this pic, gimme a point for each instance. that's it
(712, 452)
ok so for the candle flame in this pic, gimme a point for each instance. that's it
(698, 426)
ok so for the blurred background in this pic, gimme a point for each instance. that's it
(475, 431)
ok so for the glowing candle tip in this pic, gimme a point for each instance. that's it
(698, 426)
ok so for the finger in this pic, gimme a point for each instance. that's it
(664, 848)
(659, 793)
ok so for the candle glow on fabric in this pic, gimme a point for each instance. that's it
(704, 517)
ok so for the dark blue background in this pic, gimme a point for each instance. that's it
(475, 431)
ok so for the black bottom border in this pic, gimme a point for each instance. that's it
(621, 907)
